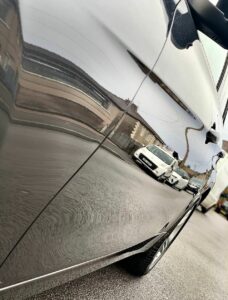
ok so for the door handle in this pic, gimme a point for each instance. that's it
(212, 136)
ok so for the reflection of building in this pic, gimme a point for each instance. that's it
(225, 146)
(59, 87)
(9, 45)
(143, 136)
(134, 132)
(43, 94)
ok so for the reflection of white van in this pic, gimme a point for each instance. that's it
(179, 178)
(157, 160)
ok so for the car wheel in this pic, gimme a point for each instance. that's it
(143, 263)
(161, 179)
(217, 209)
(203, 209)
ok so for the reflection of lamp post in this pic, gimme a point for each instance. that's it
(187, 143)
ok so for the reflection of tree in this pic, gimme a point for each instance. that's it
(182, 163)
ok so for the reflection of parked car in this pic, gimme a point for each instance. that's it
(194, 185)
(158, 161)
(223, 209)
(179, 178)
(222, 204)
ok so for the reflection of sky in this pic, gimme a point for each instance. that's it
(216, 55)
(169, 121)
(55, 27)
(214, 1)
(87, 33)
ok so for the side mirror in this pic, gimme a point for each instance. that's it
(212, 136)
(220, 155)
(211, 20)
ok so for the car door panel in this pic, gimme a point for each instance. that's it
(111, 203)
(67, 77)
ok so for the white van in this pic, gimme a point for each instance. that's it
(156, 160)
(179, 179)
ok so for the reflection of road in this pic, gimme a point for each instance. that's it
(195, 267)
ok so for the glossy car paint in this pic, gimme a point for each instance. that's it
(81, 90)
(60, 105)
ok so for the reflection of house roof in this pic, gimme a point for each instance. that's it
(132, 111)
(61, 68)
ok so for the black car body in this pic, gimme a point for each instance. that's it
(83, 85)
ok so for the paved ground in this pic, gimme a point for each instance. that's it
(195, 267)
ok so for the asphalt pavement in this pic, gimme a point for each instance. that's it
(195, 267)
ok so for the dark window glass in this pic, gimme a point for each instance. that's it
(161, 154)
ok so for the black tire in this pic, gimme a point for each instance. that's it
(160, 179)
(217, 209)
(203, 209)
(141, 264)
(138, 265)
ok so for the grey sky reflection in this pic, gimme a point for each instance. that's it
(161, 112)
(88, 35)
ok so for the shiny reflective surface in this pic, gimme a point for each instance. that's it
(79, 117)
(62, 90)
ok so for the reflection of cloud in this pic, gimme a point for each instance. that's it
(155, 100)
(51, 84)
(78, 38)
